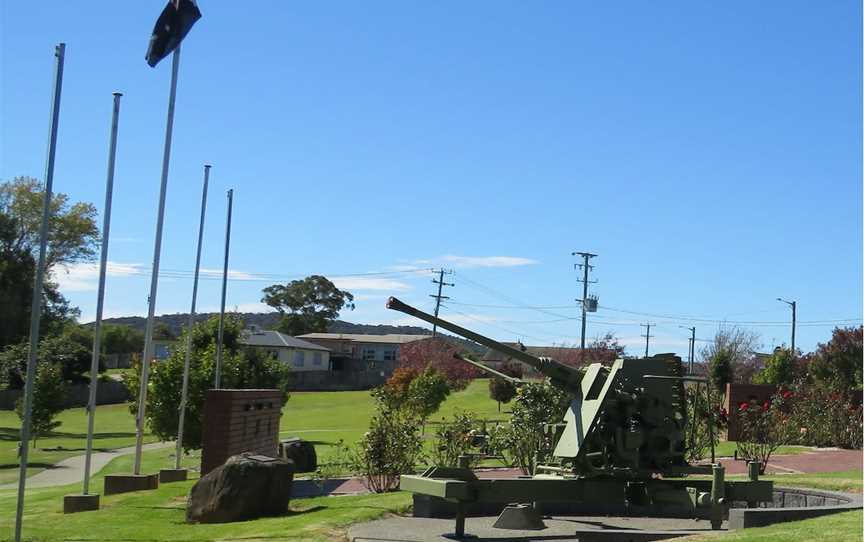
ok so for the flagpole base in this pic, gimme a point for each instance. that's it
(173, 475)
(124, 483)
(80, 503)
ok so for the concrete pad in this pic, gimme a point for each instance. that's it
(124, 483)
(80, 503)
(558, 528)
(173, 475)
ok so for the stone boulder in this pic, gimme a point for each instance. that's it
(301, 452)
(246, 486)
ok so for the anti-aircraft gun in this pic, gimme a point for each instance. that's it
(622, 447)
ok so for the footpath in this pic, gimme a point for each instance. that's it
(71, 470)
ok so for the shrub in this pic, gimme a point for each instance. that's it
(823, 416)
(462, 436)
(418, 394)
(49, 390)
(241, 369)
(391, 447)
(764, 428)
(523, 441)
(702, 410)
(781, 369)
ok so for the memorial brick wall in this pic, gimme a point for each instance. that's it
(237, 421)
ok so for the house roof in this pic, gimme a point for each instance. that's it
(539, 351)
(274, 339)
(391, 338)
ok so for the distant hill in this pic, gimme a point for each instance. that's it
(269, 320)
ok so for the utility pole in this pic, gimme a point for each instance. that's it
(440, 282)
(647, 335)
(794, 305)
(584, 280)
(691, 351)
(218, 379)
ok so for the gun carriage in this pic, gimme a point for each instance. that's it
(621, 444)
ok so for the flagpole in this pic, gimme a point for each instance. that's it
(103, 265)
(154, 277)
(190, 327)
(36, 304)
(218, 381)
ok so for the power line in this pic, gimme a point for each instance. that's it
(586, 268)
(440, 282)
(647, 335)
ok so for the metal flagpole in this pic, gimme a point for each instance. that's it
(154, 277)
(103, 264)
(218, 381)
(191, 324)
(36, 305)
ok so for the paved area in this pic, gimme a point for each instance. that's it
(821, 460)
(71, 470)
(561, 529)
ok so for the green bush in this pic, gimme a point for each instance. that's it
(702, 410)
(523, 441)
(823, 416)
(391, 447)
(241, 369)
(458, 437)
(764, 428)
(49, 390)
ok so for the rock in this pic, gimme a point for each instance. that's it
(246, 486)
(301, 452)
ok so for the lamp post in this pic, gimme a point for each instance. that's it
(794, 305)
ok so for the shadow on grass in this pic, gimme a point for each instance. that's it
(95, 435)
(10, 433)
(30, 465)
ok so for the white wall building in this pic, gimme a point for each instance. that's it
(298, 354)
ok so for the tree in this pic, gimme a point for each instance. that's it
(721, 369)
(426, 393)
(49, 390)
(162, 332)
(241, 369)
(503, 391)
(120, 339)
(731, 349)
(70, 356)
(438, 353)
(308, 305)
(781, 369)
(73, 234)
(837, 363)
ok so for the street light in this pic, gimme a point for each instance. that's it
(794, 305)
(692, 353)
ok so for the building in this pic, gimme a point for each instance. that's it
(564, 354)
(298, 354)
(362, 346)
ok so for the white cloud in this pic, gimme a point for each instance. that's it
(233, 274)
(370, 283)
(84, 277)
(477, 261)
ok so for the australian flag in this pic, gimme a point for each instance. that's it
(173, 24)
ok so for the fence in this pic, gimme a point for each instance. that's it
(109, 392)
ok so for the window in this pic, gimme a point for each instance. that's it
(299, 356)
(389, 355)
(316, 358)
(368, 353)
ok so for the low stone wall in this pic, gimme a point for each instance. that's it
(793, 504)
(108, 392)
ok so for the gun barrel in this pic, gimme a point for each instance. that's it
(490, 370)
(558, 372)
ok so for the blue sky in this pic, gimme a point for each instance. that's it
(710, 153)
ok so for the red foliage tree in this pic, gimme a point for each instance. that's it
(438, 354)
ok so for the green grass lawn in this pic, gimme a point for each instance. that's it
(326, 417)
(849, 481)
(160, 514)
(115, 428)
(843, 527)
(727, 449)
